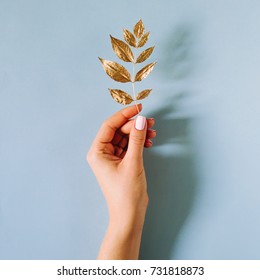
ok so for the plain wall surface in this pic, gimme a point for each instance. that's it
(203, 171)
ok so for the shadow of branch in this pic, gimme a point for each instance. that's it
(170, 164)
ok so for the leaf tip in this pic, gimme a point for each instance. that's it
(139, 29)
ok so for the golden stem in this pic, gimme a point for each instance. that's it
(133, 83)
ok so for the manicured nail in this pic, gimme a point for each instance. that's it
(140, 122)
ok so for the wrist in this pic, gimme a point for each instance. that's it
(128, 221)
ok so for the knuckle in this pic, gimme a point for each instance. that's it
(138, 139)
(90, 157)
(146, 200)
(107, 124)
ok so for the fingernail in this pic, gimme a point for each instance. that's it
(140, 122)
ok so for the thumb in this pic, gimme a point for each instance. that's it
(137, 138)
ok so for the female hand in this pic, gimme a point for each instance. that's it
(116, 158)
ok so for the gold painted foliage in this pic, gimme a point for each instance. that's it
(121, 96)
(129, 38)
(123, 50)
(144, 72)
(139, 29)
(116, 71)
(143, 94)
(143, 40)
(144, 55)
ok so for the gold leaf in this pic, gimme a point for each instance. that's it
(122, 50)
(144, 72)
(143, 40)
(115, 71)
(139, 29)
(135, 38)
(129, 38)
(144, 55)
(143, 94)
(121, 96)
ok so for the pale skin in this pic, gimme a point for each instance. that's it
(116, 158)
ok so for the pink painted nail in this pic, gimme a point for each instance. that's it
(140, 122)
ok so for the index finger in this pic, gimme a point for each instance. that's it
(113, 123)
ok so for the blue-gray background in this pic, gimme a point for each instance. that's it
(203, 172)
